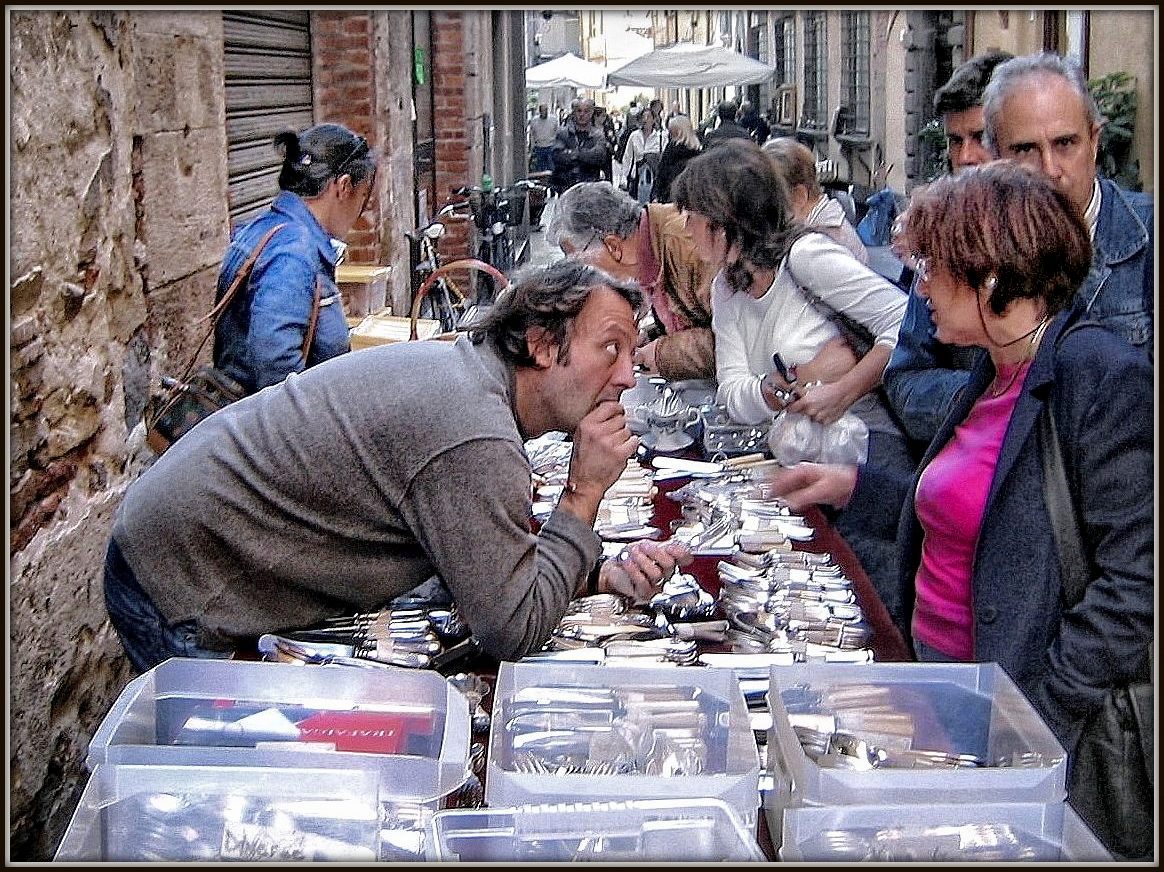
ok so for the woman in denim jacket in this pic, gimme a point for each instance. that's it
(325, 183)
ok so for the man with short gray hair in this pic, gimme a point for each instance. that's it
(1040, 112)
(1036, 109)
(649, 244)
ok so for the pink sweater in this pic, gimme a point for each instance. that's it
(951, 501)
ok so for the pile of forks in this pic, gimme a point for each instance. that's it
(552, 730)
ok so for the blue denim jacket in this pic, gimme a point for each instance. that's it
(259, 339)
(924, 376)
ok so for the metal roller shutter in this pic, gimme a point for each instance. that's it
(268, 89)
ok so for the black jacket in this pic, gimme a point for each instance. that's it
(1063, 660)
(727, 130)
(579, 156)
(674, 159)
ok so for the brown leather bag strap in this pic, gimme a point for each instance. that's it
(214, 314)
(311, 324)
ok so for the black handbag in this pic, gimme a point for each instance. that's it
(183, 402)
(1110, 781)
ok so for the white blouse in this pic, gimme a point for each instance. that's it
(748, 331)
(637, 145)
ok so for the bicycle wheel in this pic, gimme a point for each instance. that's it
(475, 266)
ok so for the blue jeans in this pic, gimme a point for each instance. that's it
(148, 638)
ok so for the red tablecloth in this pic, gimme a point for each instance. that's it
(887, 644)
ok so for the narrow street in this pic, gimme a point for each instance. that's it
(541, 253)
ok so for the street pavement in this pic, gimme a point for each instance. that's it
(541, 253)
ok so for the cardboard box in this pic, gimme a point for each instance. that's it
(364, 287)
(383, 328)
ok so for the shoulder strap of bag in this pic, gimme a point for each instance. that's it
(243, 274)
(1073, 565)
(847, 321)
(310, 337)
(1060, 506)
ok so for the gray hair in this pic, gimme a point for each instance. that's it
(1009, 75)
(591, 210)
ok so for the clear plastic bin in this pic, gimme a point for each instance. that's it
(728, 766)
(652, 830)
(184, 813)
(410, 726)
(964, 708)
(992, 832)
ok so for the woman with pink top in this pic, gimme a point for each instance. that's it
(999, 256)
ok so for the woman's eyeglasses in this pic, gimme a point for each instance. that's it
(921, 267)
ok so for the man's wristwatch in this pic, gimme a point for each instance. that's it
(592, 578)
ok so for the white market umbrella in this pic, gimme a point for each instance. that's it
(685, 65)
(569, 70)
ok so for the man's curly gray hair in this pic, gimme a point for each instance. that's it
(592, 210)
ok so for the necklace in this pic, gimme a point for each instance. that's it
(1036, 335)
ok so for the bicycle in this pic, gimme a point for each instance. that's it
(502, 221)
(436, 295)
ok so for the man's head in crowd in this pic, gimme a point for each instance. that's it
(1039, 112)
(959, 104)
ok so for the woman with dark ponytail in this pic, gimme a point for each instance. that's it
(326, 181)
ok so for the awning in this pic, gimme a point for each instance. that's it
(685, 65)
(569, 70)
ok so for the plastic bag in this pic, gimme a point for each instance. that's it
(795, 437)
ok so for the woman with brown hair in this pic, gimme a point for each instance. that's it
(999, 256)
(780, 291)
(812, 207)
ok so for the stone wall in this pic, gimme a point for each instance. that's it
(118, 175)
(118, 198)
(393, 59)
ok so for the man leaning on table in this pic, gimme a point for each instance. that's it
(1037, 110)
(353, 482)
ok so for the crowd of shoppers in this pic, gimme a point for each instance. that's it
(1032, 296)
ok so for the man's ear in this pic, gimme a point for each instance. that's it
(614, 244)
(542, 347)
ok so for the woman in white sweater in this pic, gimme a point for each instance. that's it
(776, 293)
(762, 303)
(648, 139)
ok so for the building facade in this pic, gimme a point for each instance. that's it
(857, 85)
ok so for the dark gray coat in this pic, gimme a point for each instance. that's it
(1064, 661)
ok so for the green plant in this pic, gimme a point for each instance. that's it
(934, 158)
(1115, 95)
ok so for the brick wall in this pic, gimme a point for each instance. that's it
(450, 120)
(342, 46)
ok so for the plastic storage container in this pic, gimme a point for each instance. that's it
(965, 708)
(182, 813)
(642, 725)
(410, 726)
(998, 832)
(651, 830)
